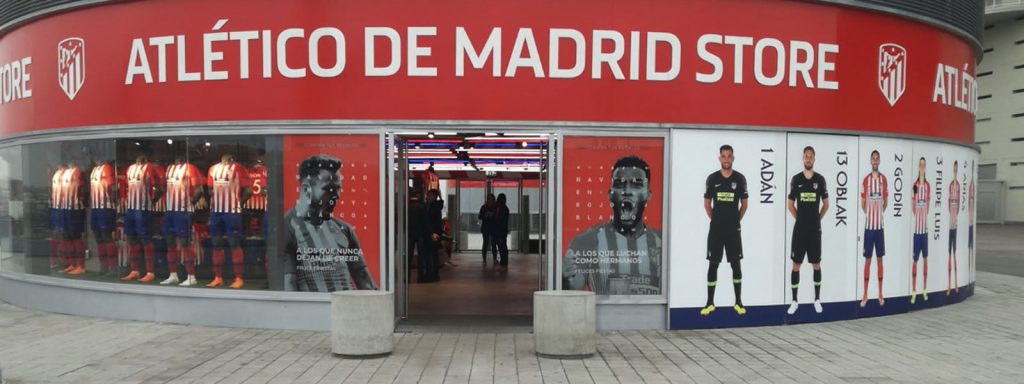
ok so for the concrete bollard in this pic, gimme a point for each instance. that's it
(362, 323)
(564, 324)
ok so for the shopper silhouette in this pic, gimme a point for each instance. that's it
(487, 217)
(499, 233)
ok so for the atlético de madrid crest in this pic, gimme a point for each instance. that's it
(71, 65)
(892, 72)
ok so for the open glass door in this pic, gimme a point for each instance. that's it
(547, 260)
(398, 243)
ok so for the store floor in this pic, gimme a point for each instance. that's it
(474, 289)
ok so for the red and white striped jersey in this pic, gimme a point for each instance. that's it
(70, 183)
(142, 181)
(875, 190)
(258, 200)
(922, 198)
(101, 187)
(55, 188)
(182, 180)
(970, 203)
(954, 203)
(161, 179)
(226, 182)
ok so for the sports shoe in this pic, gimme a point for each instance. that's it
(881, 301)
(817, 306)
(739, 309)
(67, 269)
(131, 276)
(172, 279)
(863, 303)
(913, 298)
(190, 281)
(149, 277)
(707, 310)
(792, 307)
(925, 296)
(238, 283)
(76, 271)
(215, 283)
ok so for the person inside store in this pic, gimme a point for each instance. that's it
(416, 227)
(486, 216)
(499, 231)
(433, 228)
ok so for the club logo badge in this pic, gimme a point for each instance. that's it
(71, 65)
(815, 185)
(892, 72)
(734, 185)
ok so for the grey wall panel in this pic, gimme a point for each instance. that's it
(246, 309)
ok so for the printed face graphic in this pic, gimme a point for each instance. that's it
(875, 160)
(726, 158)
(322, 193)
(921, 166)
(629, 194)
(808, 160)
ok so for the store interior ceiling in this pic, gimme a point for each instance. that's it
(488, 152)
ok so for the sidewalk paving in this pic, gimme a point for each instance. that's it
(979, 340)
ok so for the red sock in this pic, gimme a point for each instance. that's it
(150, 252)
(189, 254)
(111, 255)
(80, 253)
(65, 252)
(173, 257)
(54, 251)
(913, 278)
(238, 262)
(134, 255)
(925, 280)
(218, 263)
(881, 272)
(867, 276)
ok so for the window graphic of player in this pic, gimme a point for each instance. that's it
(922, 199)
(725, 201)
(228, 183)
(322, 253)
(954, 209)
(622, 256)
(807, 192)
(874, 199)
(103, 217)
(970, 220)
(184, 194)
(143, 193)
(73, 192)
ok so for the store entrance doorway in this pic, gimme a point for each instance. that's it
(442, 181)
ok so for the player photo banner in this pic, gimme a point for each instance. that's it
(612, 216)
(331, 225)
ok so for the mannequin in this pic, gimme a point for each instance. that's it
(73, 192)
(144, 191)
(255, 209)
(103, 200)
(230, 188)
(57, 260)
(184, 193)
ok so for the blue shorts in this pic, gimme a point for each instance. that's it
(952, 239)
(920, 245)
(56, 219)
(874, 239)
(136, 223)
(225, 224)
(103, 220)
(74, 220)
(177, 224)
